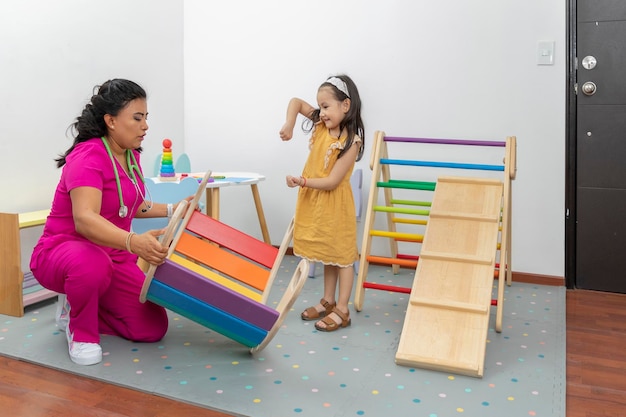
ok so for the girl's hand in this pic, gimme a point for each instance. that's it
(293, 181)
(286, 133)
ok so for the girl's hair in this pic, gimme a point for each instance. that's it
(352, 122)
(108, 98)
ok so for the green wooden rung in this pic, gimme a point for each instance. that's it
(401, 210)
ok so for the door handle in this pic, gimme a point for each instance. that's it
(589, 88)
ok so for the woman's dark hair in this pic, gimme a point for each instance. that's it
(352, 123)
(108, 98)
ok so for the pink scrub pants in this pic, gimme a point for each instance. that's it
(103, 293)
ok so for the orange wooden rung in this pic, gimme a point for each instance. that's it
(392, 261)
(221, 260)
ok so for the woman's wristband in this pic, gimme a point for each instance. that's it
(302, 182)
(130, 235)
(170, 209)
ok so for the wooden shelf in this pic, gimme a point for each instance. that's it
(13, 296)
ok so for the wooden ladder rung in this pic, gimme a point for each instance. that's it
(449, 305)
(459, 216)
(456, 257)
(412, 359)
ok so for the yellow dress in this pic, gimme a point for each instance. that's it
(325, 221)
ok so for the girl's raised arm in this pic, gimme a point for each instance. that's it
(296, 106)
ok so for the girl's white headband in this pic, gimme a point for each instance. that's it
(340, 84)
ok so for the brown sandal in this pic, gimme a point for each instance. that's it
(311, 313)
(332, 325)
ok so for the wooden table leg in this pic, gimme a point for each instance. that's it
(213, 203)
(259, 212)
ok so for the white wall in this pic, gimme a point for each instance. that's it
(450, 69)
(52, 54)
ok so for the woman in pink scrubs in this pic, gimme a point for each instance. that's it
(87, 251)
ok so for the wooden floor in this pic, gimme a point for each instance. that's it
(596, 380)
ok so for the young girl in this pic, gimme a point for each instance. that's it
(325, 221)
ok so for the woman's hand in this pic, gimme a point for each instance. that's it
(188, 200)
(148, 247)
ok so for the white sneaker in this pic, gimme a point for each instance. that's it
(62, 315)
(82, 353)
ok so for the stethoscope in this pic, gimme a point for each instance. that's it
(132, 169)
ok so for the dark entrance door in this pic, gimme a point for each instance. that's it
(600, 248)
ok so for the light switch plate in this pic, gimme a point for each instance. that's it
(545, 53)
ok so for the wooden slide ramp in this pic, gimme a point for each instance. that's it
(447, 318)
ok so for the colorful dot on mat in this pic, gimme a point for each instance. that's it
(514, 380)
(532, 413)
(269, 370)
(304, 377)
(234, 363)
(360, 413)
(451, 377)
(535, 392)
(187, 344)
(387, 374)
(400, 387)
(343, 385)
(134, 350)
(468, 390)
(326, 405)
(183, 382)
(139, 372)
(442, 395)
(459, 410)
(168, 367)
(249, 387)
(256, 400)
(136, 360)
(311, 352)
(295, 366)
(375, 392)
(213, 378)
(432, 415)
(336, 348)
(208, 366)
(33, 319)
(219, 391)
(331, 373)
(417, 400)
(485, 403)
(510, 398)
(163, 356)
(278, 382)
(492, 385)
(541, 356)
(297, 410)
(106, 364)
(354, 369)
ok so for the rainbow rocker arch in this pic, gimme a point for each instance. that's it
(221, 277)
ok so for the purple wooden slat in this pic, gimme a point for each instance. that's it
(216, 295)
(447, 141)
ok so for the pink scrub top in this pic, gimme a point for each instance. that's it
(89, 165)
